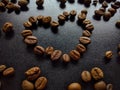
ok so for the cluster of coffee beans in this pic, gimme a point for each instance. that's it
(34, 80)
(97, 74)
(75, 54)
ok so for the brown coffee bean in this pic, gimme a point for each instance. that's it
(118, 24)
(32, 19)
(27, 85)
(85, 40)
(74, 86)
(61, 17)
(2, 68)
(104, 4)
(95, 2)
(114, 6)
(107, 16)
(63, 1)
(112, 11)
(33, 73)
(86, 76)
(101, 85)
(108, 54)
(97, 73)
(46, 20)
(85, 22)
(66, 58)
(84, 11)
(49, 50)
(40, 18)
(86, 33)
(10, 6)
(99, 13)
(16, 7)
(73, 12)
(117, 3)
(87, 2)
(7, 27)
(39, 2)
(66, 14)
(2, 5)
(80, 48)
(109, 87)
(41, 83)
(54, 24)
(75, 55)
(31, 40)
(81, 16)
(23, 3)
(89, 27)
(9, 71)
(56, 55)
(5, 2)
(39, 50)
(27, 24)
(102, 9)
(25, 33)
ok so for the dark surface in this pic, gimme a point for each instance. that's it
(13, 51)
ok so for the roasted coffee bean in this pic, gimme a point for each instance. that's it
(65, 58)
(89, 27)
(27, 24)
(63, 1)
(54, 24)
(102, 9)
(118, 24)
(105, 4)
(115, 6)
(2, 5)
(40, 18)
(5, 2)
(117, 3)
(32, 19)
(27, 85)
(81, 16)
(23, 3)
(101, 85)
(66, 14)
(86, 76)
(85, 40)
(84, 11)
(75, 55)
(61, 17)
(10, 6)
(7, 27)
(16, 7)
(108, 54)
(56, 55)
(109, 87)
(74, 86)
(2, 68)
(31, 40)
(85, 22)
(25, 33)
(99, 13)
(46, 20)
(9, 71)
(97, 73)
(86, 33)
(49, 50)
(95, 2)
(73, 12)
(87, 2)
(112, 11)
(39, 2)
(41, 83)
(39, 50)
(33, 73)
(107, 16)
(80, 48)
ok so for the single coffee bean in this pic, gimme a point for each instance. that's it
(66, 58)
(95, 2)
(97, 73)
(5, 2)
(39, 2)
(85, 22)
(54, 24)
(39, 50)
(118, 24)
(102, 9)
(75, 55)
(23, 3)
(33, 73)
(86, 33)
(104, 4)
(49, 50)
(2, 68)
(101, 85)
(32, 19)
(80, 48)
(27, 24)
(108, 54)
(61, 17)
(10, 6)
(2, 5)
(9, 71)
(27, 85)
(56, 55)
(85, 40)
(63, 1)
(66, 14)
(25, 33)
(99, 13)
(73, 12)
(7, 27)
(114, 6)
(40, 18)
(84, 11)
(81, 17)
(107, 16)
(74, 86)
(89, 27)
(109, 87)
(86, 76)
(31, 40)
(112, 11)
(16, 7)
(41, 83)
(46, 20)
(117, 3)
(87, 2)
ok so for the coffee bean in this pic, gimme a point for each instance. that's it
(49, 50)
(109, 87)
(118, 24)
(5, 2)
(85, 22)
(66, 58)
(27, 85)
(61, 17)
(66, 14)
(107, 16)
(10, 6)
(101, 85)
(7, 27)
(33, 73)
(63, 1)
(80, 48)
(2, 5)
(74, 86)
(73, 12)
(85, 40)
(117, 3)
(108, 54)
(39, 50)
(99, 13)
(75, 55)
(97, 73)
(102, 9)
(81, 16)
(84, 11)
(56, 55)
(114, 6)
(46, 20)
(41, 83)
(54, 24)
(2, 68)
(16, 7)
(27, 24)
(40, 18)
(86, 33)
(95, 2)
(86, 76)
(23, 3)
(89, 27)
(39, 2)
(112, 11)
(32, 19)
(104, 4)
(31, 40)
(25, 33)
(9, 71)
(87, 2)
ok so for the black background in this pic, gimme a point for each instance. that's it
(13, 51)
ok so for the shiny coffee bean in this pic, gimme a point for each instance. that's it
(5, 2)
(47, 19)
(63, 1)
(73, 12)
(54, 24)
(102, 9)
(99, 13)
(101, 85)
(31, 40)
(27, 85)
(84, 11)
(87, 2)
(16, 7)
(40, 18)
(86, 76)
(23, 3)
(104, 4)
(108, 54)
(61, 17)
(109, 87)
(85, 40)
(25, 33)
(10, 6)
(107, 15)
(56, 55)
(86, 33)
(7, 27)
(75, 55)
(32, 19)
(85, 22)
(2, 68)
(115, 6)
(80, 48)
(39, 2)
(89, 27)
(39, 50)
(9, 71)
(66, 14)
(2, 5)
(27, 24)
(81, 16)
(74, 86)
(112, 11)
(49, 50)
(66, 58)
(117, 3)
(118, 24)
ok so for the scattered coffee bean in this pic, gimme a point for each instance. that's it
(86, 76)
(85, 22)
(61, 17)
(39, 2)
(101, 85)
(32, 19)
(95, 2)
(74, 86)
(86, 33)
(7, 27)
(85, 40)
(41, 83)
(114, 6)
(66, 14)
(5, 2)
(109, 87)
(63, 1)
(16, 7)
(40, 18)
(31, 40)
(10, 6)
(56, 55)
(75, 55)
(9, 71)
(117, 3)
(54, 24)
(87, 2)
(118, 24)
(80, 48)
(73, 13)
(33, 73)
(2, 5)
(2, 68)
(39, 50)
(27, 85)
(46, 20)
(81, 17)
(27, 24)
(97, 73)
(104, 4)
(99, 13)
(89, 27)
(66, 58)
(84, 11)
(102, 9)
(107, 16)
(25, 33)
(112, 11)
(23, 3)
(108, 54)
(49, 50)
